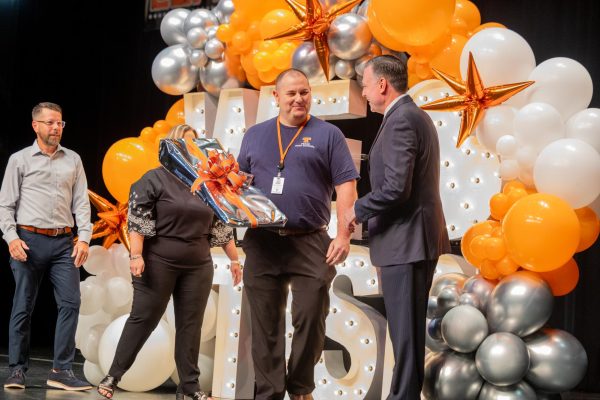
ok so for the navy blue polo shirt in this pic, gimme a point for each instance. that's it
(318, 161)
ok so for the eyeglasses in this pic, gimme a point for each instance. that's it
(52, 123)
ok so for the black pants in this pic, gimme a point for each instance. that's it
(190, 286)
(274, 264)
(405, 293)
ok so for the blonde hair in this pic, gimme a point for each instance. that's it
(178, 131)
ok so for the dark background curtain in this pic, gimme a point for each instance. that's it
(94, 60)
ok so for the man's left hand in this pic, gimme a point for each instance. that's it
(350, 219)
(338, 250)
(80, 253)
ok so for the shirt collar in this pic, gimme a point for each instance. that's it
(389, 107)
(35, 148)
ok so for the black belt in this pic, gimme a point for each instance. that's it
(295, 232)
(46, 231)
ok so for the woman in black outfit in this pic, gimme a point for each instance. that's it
(171, 231)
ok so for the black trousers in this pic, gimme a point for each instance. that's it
(273, 265)
(190, 286)
(405, 292)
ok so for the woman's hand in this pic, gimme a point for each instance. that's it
(236, 272)
(136, 265)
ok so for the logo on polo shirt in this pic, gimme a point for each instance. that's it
(305, 142)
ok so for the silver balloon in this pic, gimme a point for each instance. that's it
(172, 71)
(198, 58)
(345, 69)
(469, 299)
(214, 49)
(521, 304)
(481, 288)
(433, 344)
(349, 36)
(434, 328)
(223, 10)
(446, 299)
(450, 279)
(305, 59)
(172, 26)
(432, 308)
(520, 391)
(502, 359)
(215, 76)
(196, 37)
(451, 376)
(200, 17)
(361, 63)
(362, 8)
(464, 328)
(558, 360)
(211, 31)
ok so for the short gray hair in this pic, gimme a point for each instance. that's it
(37, 110)
(392, 68)
(288, 71)
(178, 131)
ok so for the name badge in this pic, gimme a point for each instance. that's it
(277, 187)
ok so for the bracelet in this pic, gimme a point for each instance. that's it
(234, 262)
(135, 257)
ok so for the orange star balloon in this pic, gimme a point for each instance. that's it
(314, 26)
(113, 221)
(472, 98)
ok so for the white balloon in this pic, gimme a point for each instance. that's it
(98, 260)
(569, 169)
(497, 122)
(538, 124)
(92, 297)
(526, 156)
(526, 177)
(507, 146)
(502, 56)
(91, 341)
(205, 364)
(92, 372)
(585, 125)
(120, 259)
(509, 169)
(154, 363)
(85, 323)
(120, 291)
(562, 82)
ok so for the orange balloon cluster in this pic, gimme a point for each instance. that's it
(538, 232)
(129, 158)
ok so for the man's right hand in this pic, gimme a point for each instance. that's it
(17, 249)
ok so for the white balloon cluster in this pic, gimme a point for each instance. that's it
(106, 299)
(545, 136)
(194, 53)
(487, 340)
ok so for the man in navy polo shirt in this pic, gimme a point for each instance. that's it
(297, 161)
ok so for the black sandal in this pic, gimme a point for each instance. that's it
(192, 396)
(108, 384)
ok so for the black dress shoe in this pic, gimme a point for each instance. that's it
(192, 396)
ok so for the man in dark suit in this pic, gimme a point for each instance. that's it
(407, 230)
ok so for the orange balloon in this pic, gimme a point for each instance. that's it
(269, 76)
(477, 246)
(262, 61)
(468, 12)
(238, 21)
(486, 26)
(225, 33)
(448, 60)
(248, 63)
(383, 36)
(254, 80)
(255, 10)
(423, 71)
(541, 232)
(176, 114)
(268, 45)
(488, 270)
(508, 186)
(124, 163)
(590, 227)
(148, 134)
(276, 21)
(563, 279)
(506, 266)
(162, 127)
(416, 23)
(241, 41)
(499, 206)
(494, 248)
(515, 195)
(480, 228)
(254, 30)
(459, 26)
(422, 54)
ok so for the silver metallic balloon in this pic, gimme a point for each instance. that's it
(432, 307)
(361, 9)
(349, 36)
(433, 344)
(521, 303)
(519, 391)
(481, 288)
(345, 69)
(215, 76)
(447, 298)
(305, 59)
(172, 26)
(471, 300)
(200, 17)
(172, 71)
(502, 359)
(464, 328)
(214, 49)
(223, 10)
(361, 63)
(451, 376)
(196, 37)
(558, 360)
(198, 58)
(450, 279)
(434, 328)
(211, 31)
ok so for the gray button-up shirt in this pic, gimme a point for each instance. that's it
(44, 191)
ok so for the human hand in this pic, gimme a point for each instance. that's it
(137, 265)
(338, 250)
(236, 272)
(17, 249)
(80, 252)
(350, 219)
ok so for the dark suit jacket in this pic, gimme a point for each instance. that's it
(404, 208)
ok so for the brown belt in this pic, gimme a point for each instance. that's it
(294, 232)
(47, 232)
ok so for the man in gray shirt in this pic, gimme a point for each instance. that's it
(44, 186)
